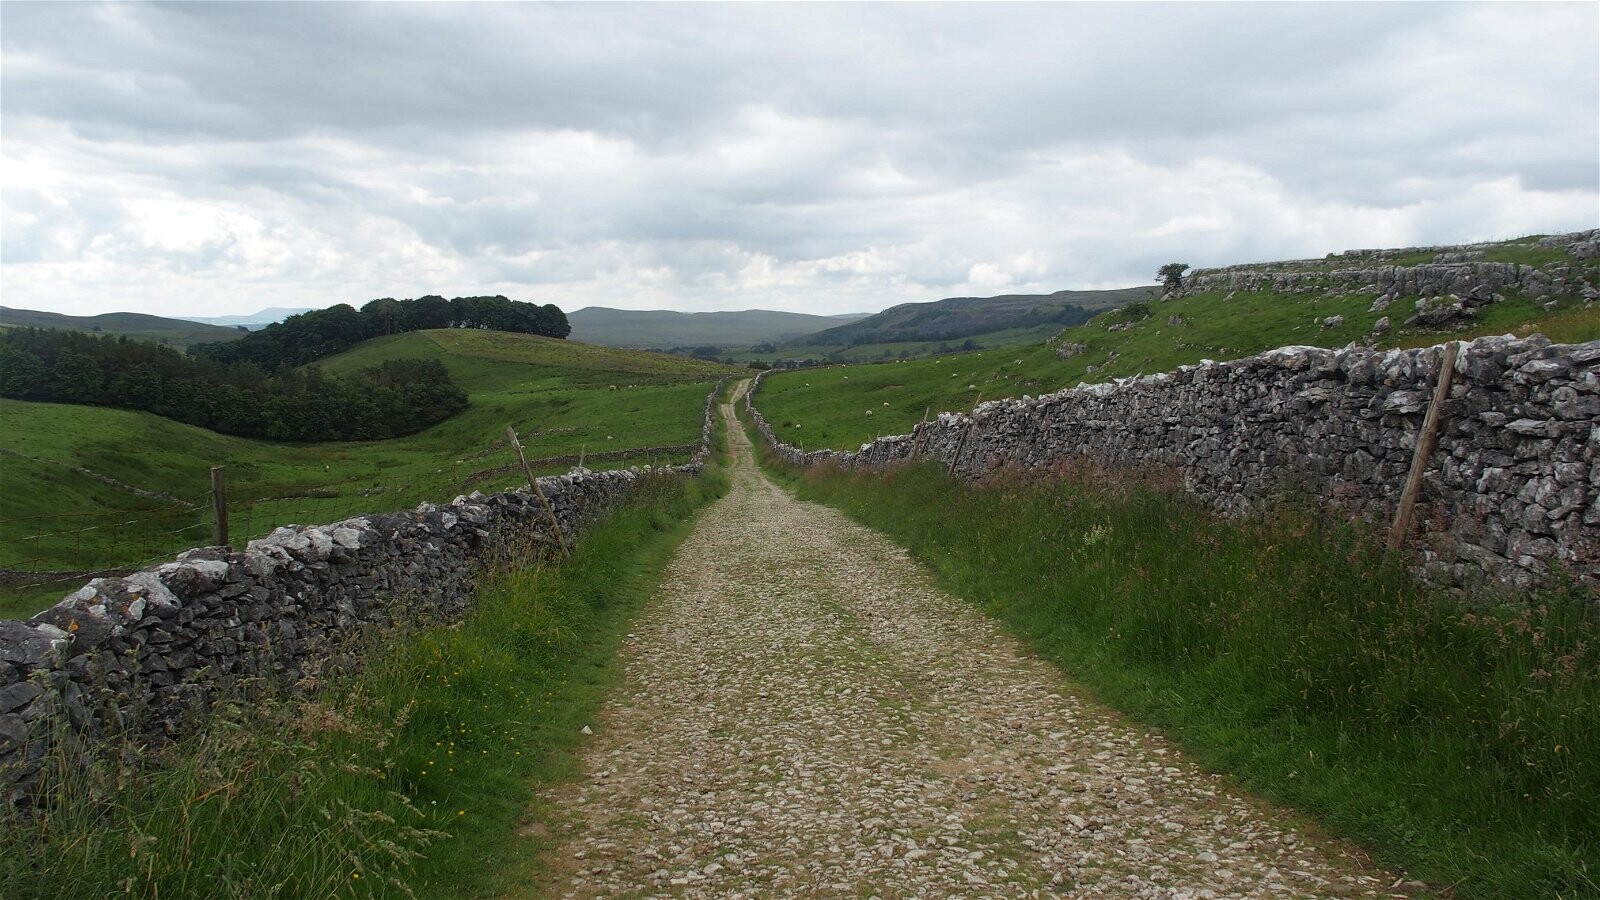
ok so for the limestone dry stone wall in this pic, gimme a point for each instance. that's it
(1511, 492)
(144, 656)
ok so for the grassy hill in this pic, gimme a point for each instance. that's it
(909, 330)
(178, 333)
(959, 318)
(915, 330)
(831, 405)
(561, 396)
(477, 358)
(665, 328)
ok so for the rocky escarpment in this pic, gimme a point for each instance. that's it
(1458, 277)
(1510, 494)
(143, 657)
(1580, 244)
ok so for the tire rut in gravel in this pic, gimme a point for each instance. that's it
(804, 713)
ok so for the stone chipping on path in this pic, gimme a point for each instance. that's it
(803, 713)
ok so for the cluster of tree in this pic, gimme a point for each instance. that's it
(301, 339)
(395, 398)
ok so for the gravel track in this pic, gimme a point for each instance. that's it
(803, 713)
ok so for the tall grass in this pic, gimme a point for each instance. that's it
(1458, 741)
(409, 779)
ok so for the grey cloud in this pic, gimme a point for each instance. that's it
(936, 137)
(661, 72)
(265, 71)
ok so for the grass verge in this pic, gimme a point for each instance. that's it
(1459, 743)
(413, 778)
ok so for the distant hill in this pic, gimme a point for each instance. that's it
(660, 328)
(178, 333)
(957, 318)
(253, 321)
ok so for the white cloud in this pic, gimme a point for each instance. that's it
(197, 159)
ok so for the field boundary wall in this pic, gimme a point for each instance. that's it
(1510, 494)
(143, 657)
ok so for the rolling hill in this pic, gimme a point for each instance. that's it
(179, 333)
(960, 318)
(662, 329)
(1316, 302)
(69, 475)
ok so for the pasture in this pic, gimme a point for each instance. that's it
(71, 477)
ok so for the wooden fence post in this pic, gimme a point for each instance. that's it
(956, 456)
(1424, 449)
(916, 443)
(219, 506)
(555, 526)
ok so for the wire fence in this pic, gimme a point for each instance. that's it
(62, 550)
(64, 545)
(43, 554)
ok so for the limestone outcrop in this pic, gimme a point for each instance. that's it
(1454, 271)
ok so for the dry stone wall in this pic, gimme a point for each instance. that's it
(1511, 493)
(145, 656)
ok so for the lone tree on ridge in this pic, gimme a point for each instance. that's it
(1171, 276)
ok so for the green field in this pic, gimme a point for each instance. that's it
(831, 405)
(562, 397)
(843, 407)
(893, 350)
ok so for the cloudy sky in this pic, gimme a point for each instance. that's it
(211, 158)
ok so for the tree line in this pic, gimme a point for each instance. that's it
(302, 338)
(242, 398)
